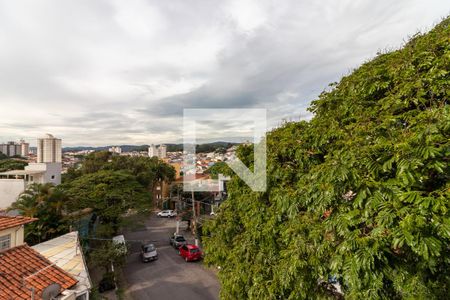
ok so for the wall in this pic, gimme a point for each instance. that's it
(51, 170)
(10, 190)
(16, 234)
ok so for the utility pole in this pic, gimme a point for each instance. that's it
(194, 216)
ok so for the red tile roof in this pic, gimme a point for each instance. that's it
(9, 222)
(23, 269)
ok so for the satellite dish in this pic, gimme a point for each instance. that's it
(51, 291)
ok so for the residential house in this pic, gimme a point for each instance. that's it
(54, 267)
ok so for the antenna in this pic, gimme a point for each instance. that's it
(51, 291)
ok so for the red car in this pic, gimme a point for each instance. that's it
(190, 252)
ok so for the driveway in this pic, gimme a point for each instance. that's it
(169, 277)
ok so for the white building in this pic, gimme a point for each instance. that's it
(49, 149)
(152, 151)
(13, 148)
(24, 148)
(115, 149)
(14, 182)
(160, 152)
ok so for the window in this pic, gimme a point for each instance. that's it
(53, 176)
(5, 242)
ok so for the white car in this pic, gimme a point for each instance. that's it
(167, 213)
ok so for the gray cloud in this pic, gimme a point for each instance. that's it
(110, 72)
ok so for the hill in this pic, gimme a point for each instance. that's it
(359, 195)
(206, 147)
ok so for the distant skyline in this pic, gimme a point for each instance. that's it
(97, 73)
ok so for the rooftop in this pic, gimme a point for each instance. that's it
(66, 253)
(10, 222)
(23, 269)
(22, 172)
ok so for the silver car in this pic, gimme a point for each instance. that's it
(148, 252)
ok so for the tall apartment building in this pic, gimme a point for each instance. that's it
(160, 152)
(115, 149)
(152, 151)
(24, 148)
(13, 148)
(49, 149)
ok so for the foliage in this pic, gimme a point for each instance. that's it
(12, 164)
(106, 253)
(219, 168)
(45, 202)
(3, 156)
(95, 161)
(360, 192)
(109, 193)
(147, 170)
(71, 174)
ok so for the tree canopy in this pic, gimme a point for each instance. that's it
(219, 168)
(12, 164)
(360, 192)
(46, 203)
(109, 193)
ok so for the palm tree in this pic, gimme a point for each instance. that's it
(45, 202)
(35, 196)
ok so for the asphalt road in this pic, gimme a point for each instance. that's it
(169, 277)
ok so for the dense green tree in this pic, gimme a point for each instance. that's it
(219, 168)
(95, 161)
(107, 253)
(71, 174)
(147, 170)
(361, 192)
(109, 193)
(12, 164)
(46, 203)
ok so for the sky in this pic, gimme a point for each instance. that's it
(109, 72)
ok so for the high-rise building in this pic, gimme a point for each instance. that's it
(12, 148)
(49, 149)
(115, 149)
(162, 151)
(24, 148)
(152, 151)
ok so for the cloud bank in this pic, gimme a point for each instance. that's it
(121, 72)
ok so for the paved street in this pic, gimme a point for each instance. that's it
(170, 277)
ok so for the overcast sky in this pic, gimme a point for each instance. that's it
(121, 72)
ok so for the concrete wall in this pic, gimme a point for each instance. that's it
(16, 234)
(10, 190)
(52, 172)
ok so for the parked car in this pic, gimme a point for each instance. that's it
(190, 252)
(148, 252)
(177, 240)
(168, 213)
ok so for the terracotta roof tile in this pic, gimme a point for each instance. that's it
(23, 269)
(9, 222)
